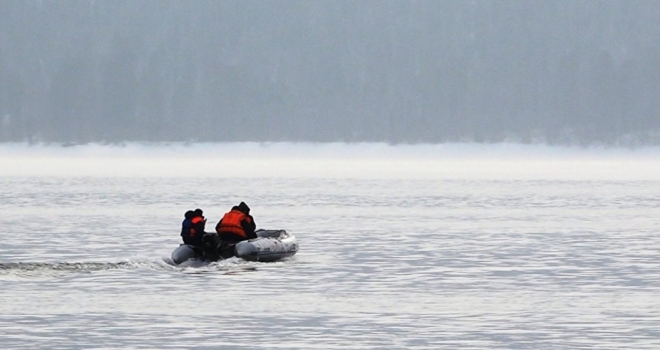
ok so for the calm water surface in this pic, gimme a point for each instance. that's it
(384, 264)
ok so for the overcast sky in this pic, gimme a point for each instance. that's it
(561, 72)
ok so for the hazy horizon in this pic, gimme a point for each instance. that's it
(503, 161)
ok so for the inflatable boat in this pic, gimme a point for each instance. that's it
(270, 245)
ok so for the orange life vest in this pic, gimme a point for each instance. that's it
(231, 223)
(196, 220)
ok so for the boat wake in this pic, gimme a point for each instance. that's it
(47, 270)
(62, 266)
(9, 270)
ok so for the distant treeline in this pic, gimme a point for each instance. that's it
(295, 70)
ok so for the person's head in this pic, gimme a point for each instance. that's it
(199, 212)
(189, 214)
(243, 208)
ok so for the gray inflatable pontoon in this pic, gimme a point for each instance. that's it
(270, 245)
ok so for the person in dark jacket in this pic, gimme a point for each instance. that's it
(192, 228)
(236, 225)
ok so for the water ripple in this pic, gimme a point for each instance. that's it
(384, 264)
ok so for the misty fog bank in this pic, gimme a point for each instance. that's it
(332, 160)
(528, 71)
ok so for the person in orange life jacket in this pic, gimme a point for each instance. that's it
(192, 228)
(236, 225)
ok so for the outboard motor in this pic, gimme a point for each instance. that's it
(210, 243)
(226, 250)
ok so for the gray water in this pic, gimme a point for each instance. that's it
(383, 264)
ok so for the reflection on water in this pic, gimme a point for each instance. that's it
(384, 264)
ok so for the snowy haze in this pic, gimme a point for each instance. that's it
(332, 160)
(558, 72)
